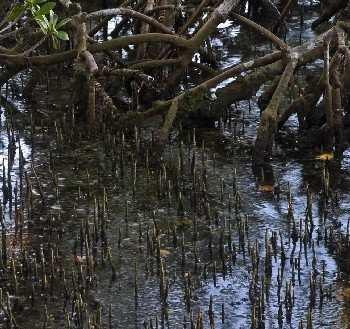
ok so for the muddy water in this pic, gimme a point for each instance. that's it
(198, 211)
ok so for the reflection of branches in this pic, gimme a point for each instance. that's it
(9, 107)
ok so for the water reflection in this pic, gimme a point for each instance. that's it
(83, 171)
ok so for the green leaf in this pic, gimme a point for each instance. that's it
(55, 42)
(45, 9)
(43, 23)
(45, 20)
(31, 4)
(53, 19)
(62, 23)
(62, 35)
(43, 27)
(16, 12)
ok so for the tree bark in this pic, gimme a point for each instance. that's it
(269, 117)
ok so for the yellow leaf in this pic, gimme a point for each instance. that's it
(266, 188)
(182, 222)
(343, 295)
(326, 156)
(164, 252)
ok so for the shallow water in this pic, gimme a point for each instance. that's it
(76, 173)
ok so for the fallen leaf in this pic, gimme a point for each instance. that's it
(81, 260)
(164, 252)
(326, 156)
(346, 294)
(343, 295)
(266, 188)
(183, 222)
